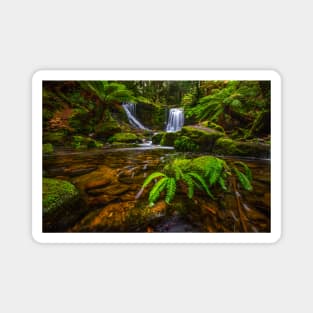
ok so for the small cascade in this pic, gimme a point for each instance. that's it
(175, 120)
(130, 109)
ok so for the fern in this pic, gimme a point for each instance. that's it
(221, 182)
(157, 189)
(151, 177)
(243, 179)
(202, 182)
(170, 189)
(246, 168)
(190, 184)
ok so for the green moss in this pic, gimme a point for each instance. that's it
(168, 139)
(57, 138)
(213, 126)
(184, 143)
(47, 148)
(156, 139)
(203, 138)
(80, 121)
(107, 129)
(81, 142)
(124, 137)
(57, 194)
(226, 146)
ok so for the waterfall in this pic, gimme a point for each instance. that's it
(175, 120)
(130, 109)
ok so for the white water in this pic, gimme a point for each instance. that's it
(130, 109)
(175, 120)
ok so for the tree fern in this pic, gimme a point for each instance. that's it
(151, 177)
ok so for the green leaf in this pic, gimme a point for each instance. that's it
(170, 189)
(243, 179)
(151, 177)
(157, 189)
(202, 182)
(246, 168)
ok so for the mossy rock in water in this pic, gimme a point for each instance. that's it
(60, 205)
(124, 137)
(81, 142)
(56, 138)
(227, 146)
(47, 148)
(184, 143)
(205, 139)
(156, 138)
(80, 121)
(168, 139)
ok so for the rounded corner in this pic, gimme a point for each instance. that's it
(36, 238)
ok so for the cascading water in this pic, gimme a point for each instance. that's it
(175, 120)
(130, 109)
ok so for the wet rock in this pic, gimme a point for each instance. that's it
(99, 178)
(124, 138)
(112, 190)
(112, 217)
(60, 205)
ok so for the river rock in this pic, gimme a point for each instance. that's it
(60, 205)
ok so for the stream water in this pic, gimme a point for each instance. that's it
(109, 180)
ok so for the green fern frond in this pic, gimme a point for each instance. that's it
(157, 189)
(190, 184)
(151, 177)
(243, 179)
(202, 182)
(246, 168)
(221, 182)
(170, 189)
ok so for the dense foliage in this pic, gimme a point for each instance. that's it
(202, 173)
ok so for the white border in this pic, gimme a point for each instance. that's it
(42, 75)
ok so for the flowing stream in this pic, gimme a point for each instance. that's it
(109, 180)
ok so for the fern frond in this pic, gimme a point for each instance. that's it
(157, 189)
(170, 189)
(190, 184)
(243, 179)
(151, 177)
(202, 182)
(221, 182)
(246, 168)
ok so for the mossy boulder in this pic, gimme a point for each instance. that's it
(168, 139)
(204, 138)
(156, 138)
(227, 146)
(60, 205)
(124, 137)
(56, 138)
(81, 142)
(47, 148)
(184, 143)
